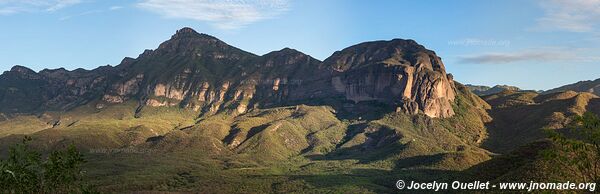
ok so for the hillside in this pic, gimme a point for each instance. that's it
(486, 90)
(520, 117)
(197, 113)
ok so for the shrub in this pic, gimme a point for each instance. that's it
(579, 153)
(24, 171)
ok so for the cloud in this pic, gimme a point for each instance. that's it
(569, 15)
(115, 8)
(8, 10)
(537, 55)
(223, 14)
(8, 7)
(97, 11)
(62, 4)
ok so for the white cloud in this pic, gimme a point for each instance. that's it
(90, 12)
(501, 58)
(570, 15)
(8, 7)
(115, 8)
(223, 14)
(59, 4)
(9, 10)
(531, 55)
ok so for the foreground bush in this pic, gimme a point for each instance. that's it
(24, 171)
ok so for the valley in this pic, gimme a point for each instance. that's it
(197, 114)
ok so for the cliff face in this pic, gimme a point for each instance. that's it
(25, 91)
(200, 72)
(401, 72)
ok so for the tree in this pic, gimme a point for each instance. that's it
(577, 154)
(24, 171)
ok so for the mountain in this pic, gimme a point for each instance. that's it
(477, 88)
(204, 113)
(197, 114)
(486, 90)
(582, 86)
(201, 72)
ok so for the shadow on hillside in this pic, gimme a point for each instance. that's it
(510, 165)
(363, 156)
(374, 180)
(594, 106)
(516, 126)
(422, 160)
(375, 150)
(347, 109)
(351, 131)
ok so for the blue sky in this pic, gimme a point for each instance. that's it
(533, 44)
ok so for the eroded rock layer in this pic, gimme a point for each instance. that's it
(201, 72)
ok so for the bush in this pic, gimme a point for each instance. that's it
(579, 154)
(24, 171)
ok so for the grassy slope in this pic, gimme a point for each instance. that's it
(286, 149)
(520, 117)
(90, 128)
(523, 138)
(22, 125)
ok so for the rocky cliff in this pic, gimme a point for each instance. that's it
(203, 73)
(399, 71)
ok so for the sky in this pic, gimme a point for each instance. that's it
(532, 44)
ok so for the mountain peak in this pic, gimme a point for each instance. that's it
(21, 69)
(187, 41)
(392, 52)
(188, 32)
(285, 51)
(185, 32)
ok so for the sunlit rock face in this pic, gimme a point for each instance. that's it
(200, 72)
(398, 71)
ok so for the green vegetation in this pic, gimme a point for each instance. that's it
(24, 171)
(567, 155)
(520, 118)
(22, 125)
(302, 149)
(285, 149)
(577, 156)
(198, 115)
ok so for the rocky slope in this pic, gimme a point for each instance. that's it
(199, 114)
(202, 73)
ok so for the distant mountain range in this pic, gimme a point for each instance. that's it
(486, 90)
(582, 86)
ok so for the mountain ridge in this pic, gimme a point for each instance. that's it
(486, 90)
(201, 72)
(592, 86)
(199, 114)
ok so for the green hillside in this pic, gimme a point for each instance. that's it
(295, 148)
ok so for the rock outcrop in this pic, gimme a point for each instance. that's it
(398, 71)
(201, 72)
